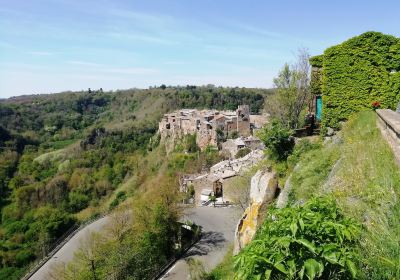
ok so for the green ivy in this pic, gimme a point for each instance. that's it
(356, 73)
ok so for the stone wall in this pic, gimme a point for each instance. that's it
(389, 123)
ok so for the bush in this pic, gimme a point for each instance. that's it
(120, 197)
(77, 201)
(25, 256)
(313, 241)
(278, 139)
(243, 152)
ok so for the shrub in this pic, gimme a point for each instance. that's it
(313, 241)
(120, 197)
(77, 201)
(278, 139)
(243, 152)
(24, 256)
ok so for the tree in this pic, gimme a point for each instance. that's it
(292, 91)
(278, 139)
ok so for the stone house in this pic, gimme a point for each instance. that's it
(232, 146)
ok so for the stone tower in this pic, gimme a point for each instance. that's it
(243, 120)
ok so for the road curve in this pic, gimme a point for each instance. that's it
(218, 235)
(66, 253)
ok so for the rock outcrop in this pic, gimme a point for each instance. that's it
(262, 190)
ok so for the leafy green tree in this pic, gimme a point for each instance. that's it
(292, 92)
(278, 139)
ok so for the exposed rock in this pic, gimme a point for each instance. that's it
(283, 197)
(330, 131)
(262, 190)
(263, 187)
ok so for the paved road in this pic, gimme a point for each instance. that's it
(66, 253)
(218, 234)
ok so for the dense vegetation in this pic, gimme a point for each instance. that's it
(303, 242)
(67, 157)
(359, 169)
(352, 75)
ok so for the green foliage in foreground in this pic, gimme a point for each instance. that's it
(313, 241)
(359, 170)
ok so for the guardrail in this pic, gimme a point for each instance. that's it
(61, 241)
(57, 245)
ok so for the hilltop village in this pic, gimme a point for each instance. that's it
(210, 125)
(230, 132)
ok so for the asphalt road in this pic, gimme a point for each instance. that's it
(66, 253)
(218, 235)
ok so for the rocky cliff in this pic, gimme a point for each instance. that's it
(262, 191)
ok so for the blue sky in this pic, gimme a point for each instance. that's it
(55, 45)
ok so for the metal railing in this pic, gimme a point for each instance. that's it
(57, 245)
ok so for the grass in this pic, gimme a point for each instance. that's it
(359, 169)
(225, 270)
(62, 143)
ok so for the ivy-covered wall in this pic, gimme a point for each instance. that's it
(352, 75)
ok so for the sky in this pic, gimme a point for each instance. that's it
(49, 46)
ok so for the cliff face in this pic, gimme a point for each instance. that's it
(262, 190)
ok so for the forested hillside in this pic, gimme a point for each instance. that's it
(67, 157)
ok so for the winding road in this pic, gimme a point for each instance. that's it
(218, 232)
(66, 253)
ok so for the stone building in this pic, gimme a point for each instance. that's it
(213, 181)
(232, 146)
(205, 123)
